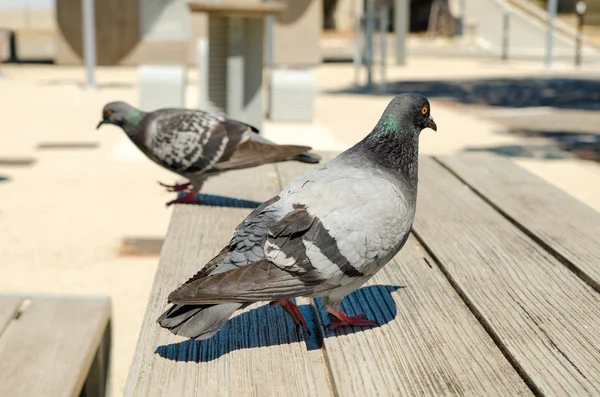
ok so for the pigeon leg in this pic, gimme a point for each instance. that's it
(292, 310)
(339, 318)
(178, 187)
(187, 199)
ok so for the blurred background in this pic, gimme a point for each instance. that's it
(81, 211)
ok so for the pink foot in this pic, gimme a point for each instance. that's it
(293, 311)
(340, 318)
(187, 199)
(176, 187)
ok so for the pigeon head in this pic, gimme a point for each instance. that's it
(121, 115)
(394, 142)
(405, 114)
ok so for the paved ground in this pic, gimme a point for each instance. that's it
(64, 217)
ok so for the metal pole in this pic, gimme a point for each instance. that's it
(460, 23)
(89, 42)
(270, 25)
(580, 10)
(505, 34)
(358, 41)
(383, 22)
(552, 5)
(370, 28)
(401, 15)
(202, 48)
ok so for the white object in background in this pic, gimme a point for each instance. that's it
(161, 86)
(292, 95)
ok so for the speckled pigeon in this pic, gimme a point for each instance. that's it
(324, 235)
(197, 144)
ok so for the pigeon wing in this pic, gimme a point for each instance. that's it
(255, 150)
(288, 275)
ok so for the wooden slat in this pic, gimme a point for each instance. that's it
(242, 9)
(258, 353)
(9, 306)
(545, 318)
(48, 350)
(428, 343)
(564, 226)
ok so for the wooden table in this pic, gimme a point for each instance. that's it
(54, 346)
(496, 293)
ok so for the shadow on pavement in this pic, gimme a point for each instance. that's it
(567, 93)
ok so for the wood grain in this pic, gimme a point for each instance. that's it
(546, 319)
(566, 227)
(258, 353)
(48, 350)
(428, 343)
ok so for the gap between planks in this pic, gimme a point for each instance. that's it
(535, 329)
(479, 316)
(577, 270)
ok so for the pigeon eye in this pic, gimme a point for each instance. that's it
(424, 110)
(107, 113)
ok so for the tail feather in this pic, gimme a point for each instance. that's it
(197, 321)
(310, 158)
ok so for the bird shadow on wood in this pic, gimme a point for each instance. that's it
(213, 200)
(271, 326)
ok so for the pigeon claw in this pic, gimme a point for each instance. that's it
(293, 310)
(187, 199)
(339, 319)
(178, 187)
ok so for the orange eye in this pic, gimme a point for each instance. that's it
(424, 110)
(107, 112)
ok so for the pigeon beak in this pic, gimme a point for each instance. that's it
(100, 124)
(431, 124)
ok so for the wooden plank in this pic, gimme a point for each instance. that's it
(429, 343)
(258, 353)
(49, 349)
(9, 306)
(546, 319)
(565, 227)
(241, 9)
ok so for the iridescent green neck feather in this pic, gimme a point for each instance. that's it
(131, 121)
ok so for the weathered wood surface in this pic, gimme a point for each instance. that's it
(545, 318)
(258, 353)
(48, 349)
(482, 309)
(565, 227)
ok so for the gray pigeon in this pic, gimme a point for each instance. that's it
(324, 235)
(197, 144)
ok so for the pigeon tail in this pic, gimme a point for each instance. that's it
(309, 158)
(197, 321)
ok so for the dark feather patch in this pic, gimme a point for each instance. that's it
(320, 236)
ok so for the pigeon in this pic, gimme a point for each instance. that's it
(197, 144)
(323, 236)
